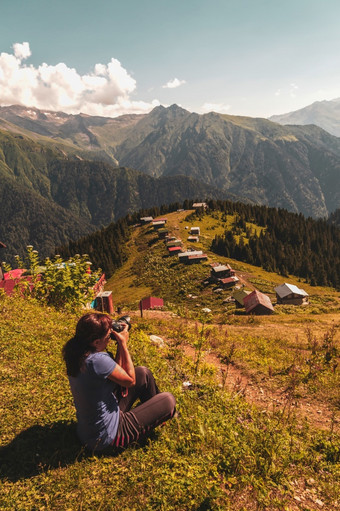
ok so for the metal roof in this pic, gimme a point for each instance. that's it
(190, 253)
(221, 267)
(257, 298)
(287, 289)
(197, 256)
(240, 294)
(228, 280)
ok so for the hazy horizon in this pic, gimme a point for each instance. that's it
(256, 59)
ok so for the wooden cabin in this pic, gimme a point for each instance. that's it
(174, 250)
(183, 257)
(221, 271)
(196, 258)
(174, 242)
(158, 224)
(228, 281)
(196, 231)
(151, 302)
(146, 219)
(162, 233)
(289, 294)
(258, 303)
(198, 205)
(239, 295)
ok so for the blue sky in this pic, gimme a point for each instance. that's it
(242, 57)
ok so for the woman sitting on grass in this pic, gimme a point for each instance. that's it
(104, 389)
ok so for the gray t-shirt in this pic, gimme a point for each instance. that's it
(95, 402)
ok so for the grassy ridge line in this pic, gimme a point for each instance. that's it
(276, 350)
(147, 255)
(220, 453)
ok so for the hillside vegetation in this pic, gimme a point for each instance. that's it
(48, 197)
(221, 453)
(292, 167)
(258, 396)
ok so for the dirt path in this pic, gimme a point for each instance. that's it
(263, 396)
(237, 381)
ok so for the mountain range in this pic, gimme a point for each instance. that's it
(87, 171)
(325, 114)
(46, 199)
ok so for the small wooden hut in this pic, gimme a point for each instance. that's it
(258, 303)
(289, 294)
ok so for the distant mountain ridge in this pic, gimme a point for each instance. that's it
(325, 114)
(293, 167)
(46, 199)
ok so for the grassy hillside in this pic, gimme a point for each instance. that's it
(148, 263)
(221, 453)
(279, 350)
(259, 422)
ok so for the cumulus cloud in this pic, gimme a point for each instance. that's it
(105, 91)
(172, 84)
(220, 108)
(22, 51)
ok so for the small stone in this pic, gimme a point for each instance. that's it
(319, 411)
(319, 502)
(157, 340)
(310, 481)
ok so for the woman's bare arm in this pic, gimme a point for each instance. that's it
(124, 372)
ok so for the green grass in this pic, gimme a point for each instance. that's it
(149, 271)
(221, 453)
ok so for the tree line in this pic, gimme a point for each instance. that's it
(289, 243)
(106, 248)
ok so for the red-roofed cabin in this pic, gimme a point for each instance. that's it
(228, 281)
(258, 303)
(151, 303)
(11, 279)
(174, 250)
(196, 258)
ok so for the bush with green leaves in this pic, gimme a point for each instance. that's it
(64, 284)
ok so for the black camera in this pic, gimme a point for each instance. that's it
(118, 326)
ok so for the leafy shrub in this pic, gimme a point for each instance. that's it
(63, 284)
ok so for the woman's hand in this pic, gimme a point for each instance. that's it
(123, 336)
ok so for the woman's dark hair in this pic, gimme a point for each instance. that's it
(90, 327)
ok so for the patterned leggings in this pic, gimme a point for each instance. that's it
(155, 408)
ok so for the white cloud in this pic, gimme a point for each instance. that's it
(22, 51)
(220, 108)
(172, 84)
(105, 91)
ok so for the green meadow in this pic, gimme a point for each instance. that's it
(222, 452)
